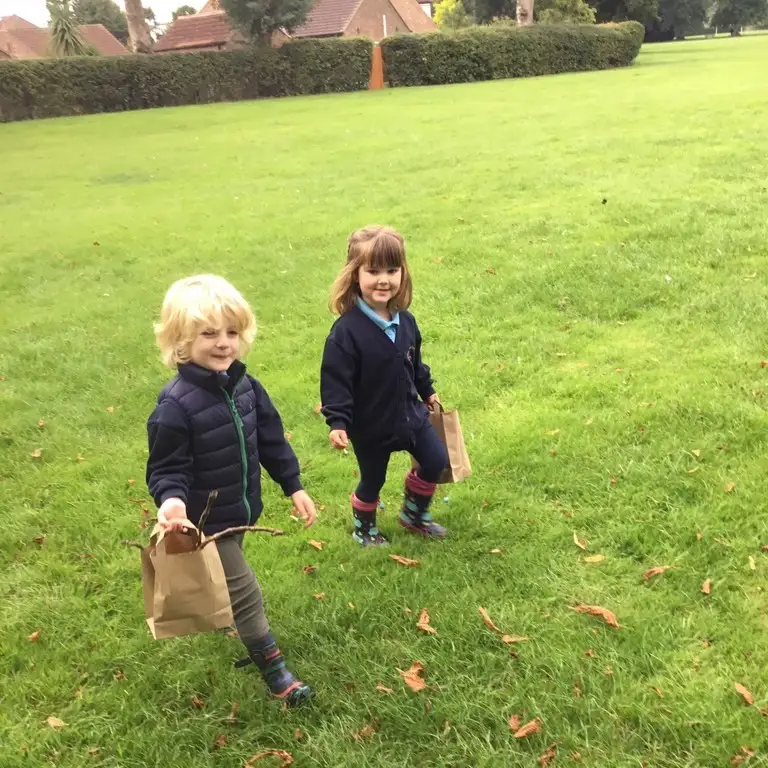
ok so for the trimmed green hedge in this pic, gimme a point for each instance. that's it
(87, 85)
(492, 53)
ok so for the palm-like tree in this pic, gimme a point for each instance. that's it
(65, 34)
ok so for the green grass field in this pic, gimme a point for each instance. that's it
(589, 260)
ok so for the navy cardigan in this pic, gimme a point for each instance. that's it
(370, 386)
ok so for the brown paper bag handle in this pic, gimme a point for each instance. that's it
(440, 406)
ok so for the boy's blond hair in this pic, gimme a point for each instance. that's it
(194, 302)
(373, 246)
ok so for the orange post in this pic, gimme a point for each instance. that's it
(377, 70)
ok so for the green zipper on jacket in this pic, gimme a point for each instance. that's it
(243, 452)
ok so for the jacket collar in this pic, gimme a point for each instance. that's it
(213, 380)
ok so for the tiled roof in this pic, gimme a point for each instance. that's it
(199, 31)
(8, 23)
(328, 17)
(413, 16)
(34, 43)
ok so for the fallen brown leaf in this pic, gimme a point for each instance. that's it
(488, 621)
(298, 734)
(595, 610)
(413, 676)
(383, 689)
(197, 702)
(511, 639)
(318, 545)
(364, 733)
(699, 535)
(319, 596)
(764, 711)
(131, 482)
(548, 756)
(576, 689)
(232, 716)
(110, 409)
(534, 726)
(589, 653)
(651, 572)
(749, 699)
(219, 742)
(36, 454)
(318, 409)
(286, 757)
(575, 756)
(423, 623)
(730, 487)
(579, 542)
(514, 723)
(120, 675)
(33, 637)
(93, 751)
(79, 458)
(657, 692)
(405, 561)
(742, 755)
(289, 436)
(594, 558)
(54, 722)
(764, 548)
(608, 671)
(39, 540)
(696, 452)
(706, 587)
(41, 424)
(309, 569)
(351, 605)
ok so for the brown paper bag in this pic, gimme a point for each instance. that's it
(185, 589)
(448, 428)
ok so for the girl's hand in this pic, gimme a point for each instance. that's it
(339, 439)
(172, 515)
(433, 403)
(305, 508)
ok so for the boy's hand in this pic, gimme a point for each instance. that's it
(305, 508)
(172, 515)
(433, 403)
(339, 439)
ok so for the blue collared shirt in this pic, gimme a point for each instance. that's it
(388, 326)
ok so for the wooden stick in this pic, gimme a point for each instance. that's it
(242, 529)
(127, 543)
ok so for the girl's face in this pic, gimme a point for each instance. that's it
(215, 348)
(379, 286)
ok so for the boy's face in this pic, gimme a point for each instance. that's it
(215, 348)
(379, 286)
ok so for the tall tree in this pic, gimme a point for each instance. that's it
(451, 14)
(105, 12)
(258, 19)
(138, 31)
(644, 11)
(739, 13)
(184, 10)
(565, 12)
(66, 39)
(524, 12)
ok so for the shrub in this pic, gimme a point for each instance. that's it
(86, 85)
(495, 52)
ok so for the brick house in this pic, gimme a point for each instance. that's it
(19, 39)
(210, 30)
